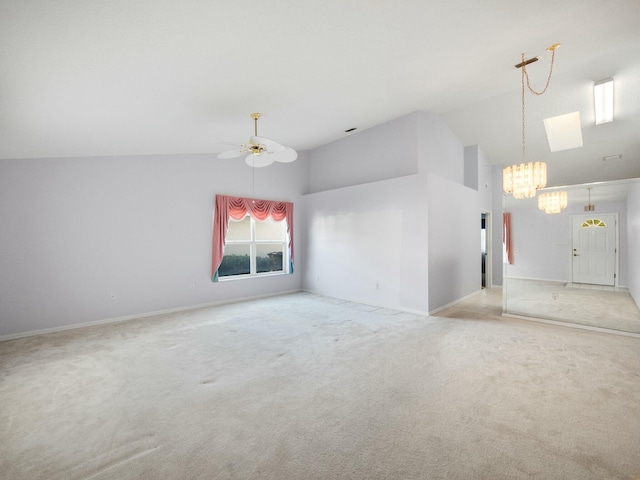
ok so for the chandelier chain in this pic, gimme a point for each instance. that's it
(526, 74)
(522, 103)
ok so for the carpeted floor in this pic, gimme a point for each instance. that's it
(306, 387)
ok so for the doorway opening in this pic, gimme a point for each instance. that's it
(485, 249)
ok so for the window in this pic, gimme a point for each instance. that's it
(252, 237)
(253, 247)
(593, 223)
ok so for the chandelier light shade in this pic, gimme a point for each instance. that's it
(552, 202)
(523, 180)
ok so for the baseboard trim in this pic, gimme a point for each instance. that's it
(455, 302)
(537, 279)
(573, 325)
(366, 302)
(555, 280)
(126, 318)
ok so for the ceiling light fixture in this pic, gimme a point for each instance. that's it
(262, 151)
(603, 100)
(552, 202)
(527, 62)
(525, 179)
(589, 207)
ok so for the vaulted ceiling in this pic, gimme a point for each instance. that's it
(121, 77)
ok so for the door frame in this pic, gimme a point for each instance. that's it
(488, 260)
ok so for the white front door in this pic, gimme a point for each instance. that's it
(594, 248)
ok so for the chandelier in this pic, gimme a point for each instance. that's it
(552, 202)
(589, 207)
(525, 179)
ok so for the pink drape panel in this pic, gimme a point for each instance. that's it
(506, 236)
(236, 208)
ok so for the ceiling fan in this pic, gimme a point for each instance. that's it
(262, 151)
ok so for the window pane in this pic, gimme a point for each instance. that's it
(236, 261)
(269, 257)
(269, 230)
(239, 230)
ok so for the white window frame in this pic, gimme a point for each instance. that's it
(253, 243)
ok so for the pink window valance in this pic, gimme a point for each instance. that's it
(237, 208)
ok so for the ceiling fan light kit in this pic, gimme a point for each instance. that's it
(262, 151)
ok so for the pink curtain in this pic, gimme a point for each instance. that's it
(506, 237)
(236, 208)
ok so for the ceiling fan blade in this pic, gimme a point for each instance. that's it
(270, 144)
(259, 161)
(231, 154)
(286, 156)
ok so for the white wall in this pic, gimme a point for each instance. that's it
(485, 184)
(453, 211)
(497, 197)
(454, 241)
(471, 164)
(633, 240)
(74, 231)
(375, 234)
(378, 153)
(367, 243)
(439, 151)
(542, 243)
(478, 176)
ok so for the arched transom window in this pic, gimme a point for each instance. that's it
(593, 223)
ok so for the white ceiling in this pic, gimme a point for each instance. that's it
(131, 77)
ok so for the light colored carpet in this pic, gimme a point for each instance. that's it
(306, 387)
(560, 301)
